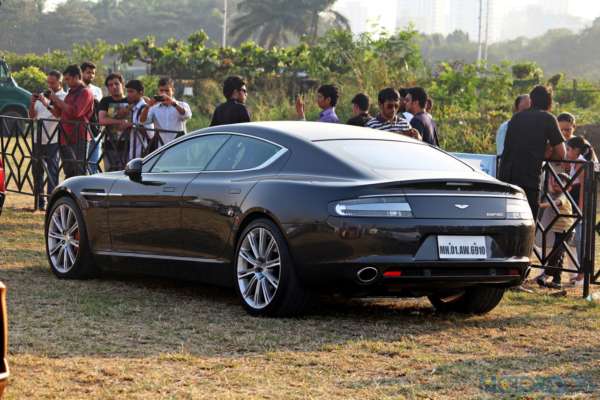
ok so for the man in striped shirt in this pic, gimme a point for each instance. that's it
(388, 118)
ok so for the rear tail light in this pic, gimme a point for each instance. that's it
(389, 207)
(518, 209)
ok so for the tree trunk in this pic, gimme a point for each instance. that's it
(314, 27)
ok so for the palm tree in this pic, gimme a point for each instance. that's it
(318, 10)
(269, 22)
(272, 22)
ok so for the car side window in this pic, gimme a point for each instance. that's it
(189, 155)
(3, 72)
(242, 152)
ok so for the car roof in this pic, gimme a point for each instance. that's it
(311, 131)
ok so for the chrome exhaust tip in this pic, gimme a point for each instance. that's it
(367, 275)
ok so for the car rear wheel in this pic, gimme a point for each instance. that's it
(476, 300)
(266, 280)
(67, 247)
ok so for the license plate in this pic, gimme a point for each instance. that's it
(462, 247)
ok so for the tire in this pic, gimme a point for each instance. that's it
(72, 259)
(476, 300)
(267, 288)
(12, 125)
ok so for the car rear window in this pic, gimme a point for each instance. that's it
(391, 155)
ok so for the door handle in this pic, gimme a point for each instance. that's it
(235, 190)
(169, 189)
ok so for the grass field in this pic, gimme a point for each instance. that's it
(143, 338)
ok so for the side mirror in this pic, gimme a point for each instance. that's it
(133, 169)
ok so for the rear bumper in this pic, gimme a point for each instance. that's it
(332, 253)
(421, 276)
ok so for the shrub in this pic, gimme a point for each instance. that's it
(31, 78)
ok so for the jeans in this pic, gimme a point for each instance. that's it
(73, 158)
(93, 153)
(48, 157)
(555, 263)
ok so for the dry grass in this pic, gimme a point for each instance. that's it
(133, 337)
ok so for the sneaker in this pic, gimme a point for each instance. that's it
(520, 288)
(541, 280)
(554, 285)
(576, 282)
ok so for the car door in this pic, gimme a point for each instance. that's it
(145, 215)
(213, 199)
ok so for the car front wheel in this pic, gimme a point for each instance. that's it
(475, 300)
(67, 247)
(266, 280)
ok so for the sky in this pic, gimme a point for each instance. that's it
(385, 10)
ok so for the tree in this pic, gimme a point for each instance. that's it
(274, 22)
(270, 22)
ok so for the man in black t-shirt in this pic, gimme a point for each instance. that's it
(416, 101)
(360, 110)
(114, 111)
(234, 110)
(528, 134)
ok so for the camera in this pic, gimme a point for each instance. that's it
(159, 98)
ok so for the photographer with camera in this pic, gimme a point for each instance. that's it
(165, 112)
(75, 113)
(46, 142)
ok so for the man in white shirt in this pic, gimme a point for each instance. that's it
(139, 134)
(88, 73)
(166, 113)
(45, 140)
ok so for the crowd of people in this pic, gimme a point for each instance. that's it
(135, 124)
(71, 123)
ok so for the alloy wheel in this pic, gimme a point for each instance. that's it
(258, 268)
(63, 238)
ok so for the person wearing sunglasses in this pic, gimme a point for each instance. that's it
(388, 118)
(234, 110)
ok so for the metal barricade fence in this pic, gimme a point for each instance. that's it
(39, 154)
(575, 240)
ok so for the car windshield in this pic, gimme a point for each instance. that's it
(391, 155)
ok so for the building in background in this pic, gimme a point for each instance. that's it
(464, 16)
(556, 6)
(357, 13)
(427, 16)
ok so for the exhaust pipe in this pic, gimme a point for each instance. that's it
(367, 275)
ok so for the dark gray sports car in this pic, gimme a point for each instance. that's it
(282, 209)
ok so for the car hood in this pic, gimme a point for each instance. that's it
(22, 92)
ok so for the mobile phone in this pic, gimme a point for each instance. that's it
(159, 98)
